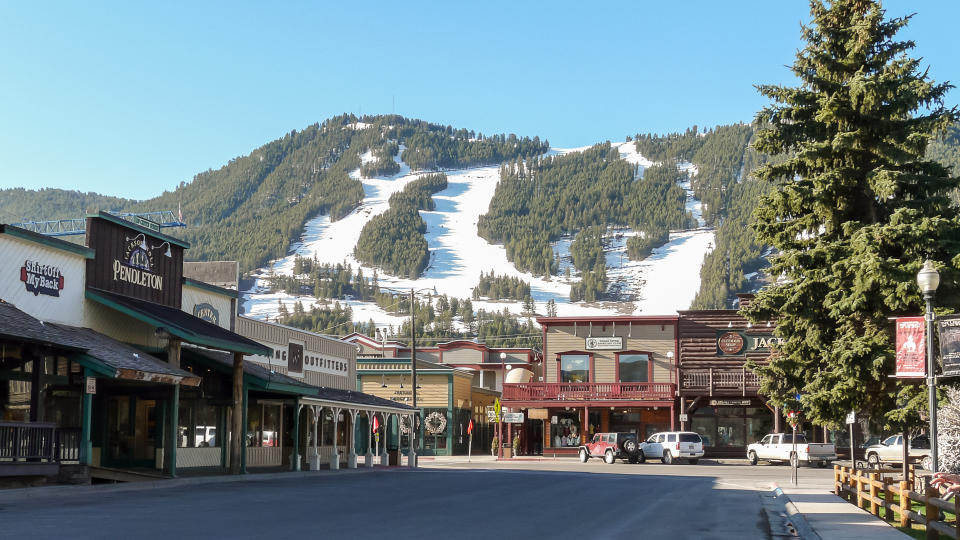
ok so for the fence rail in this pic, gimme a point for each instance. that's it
(863, 488)
(21, 441)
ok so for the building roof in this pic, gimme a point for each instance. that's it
(178, 323)
(102, 353)
(647, 319)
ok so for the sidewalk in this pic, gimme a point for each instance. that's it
(818, 513)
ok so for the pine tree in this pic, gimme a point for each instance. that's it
(853, 211)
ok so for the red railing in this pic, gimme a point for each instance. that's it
(654, 391)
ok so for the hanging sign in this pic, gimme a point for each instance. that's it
(910, 347)
(949, 329)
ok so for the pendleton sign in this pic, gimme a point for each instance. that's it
(134, 261)
(730, 343)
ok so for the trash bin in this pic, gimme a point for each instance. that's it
(393, 457)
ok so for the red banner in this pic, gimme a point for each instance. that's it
(911, 347)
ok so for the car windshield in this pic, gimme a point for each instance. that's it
(690, 437)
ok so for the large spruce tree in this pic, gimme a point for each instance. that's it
(853, 212)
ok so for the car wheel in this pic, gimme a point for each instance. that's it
(694, 461)
(794, 460)
(583, 455)
(608, 457)
(641, 457)
(632, 459)
(752, 457)
(630, 446)
(667, 458)
(927, 463)
(873, 460)
(821, 464)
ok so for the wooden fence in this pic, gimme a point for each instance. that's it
(864, 487)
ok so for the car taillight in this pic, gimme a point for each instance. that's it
(807, 449)
(678, 446)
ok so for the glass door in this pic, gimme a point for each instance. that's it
(131, 432)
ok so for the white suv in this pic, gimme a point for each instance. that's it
(672, 445)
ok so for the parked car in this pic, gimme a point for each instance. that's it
(890, 450)
(672, 445)
(611, 447)
(779, 447)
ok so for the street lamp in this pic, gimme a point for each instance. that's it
(928, 279)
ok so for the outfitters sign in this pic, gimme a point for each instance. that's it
(911, 338)
(741, 343)
(949, 328)
(41, 278)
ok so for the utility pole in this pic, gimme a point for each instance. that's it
(413, 376)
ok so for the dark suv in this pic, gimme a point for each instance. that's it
(611, 447)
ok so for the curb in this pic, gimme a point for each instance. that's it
(794, 516)
(22, 494)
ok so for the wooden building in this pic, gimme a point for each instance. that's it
(599, 374)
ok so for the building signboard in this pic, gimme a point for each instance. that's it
(732, 343)
(537, 414)
(911, 338)
(513, 417)
(40, 278)
(207, 312)
(295, 358)
(729, 402)
(949, 328)
(134, 263)
(612, 343)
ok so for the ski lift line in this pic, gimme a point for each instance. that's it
(72, 226)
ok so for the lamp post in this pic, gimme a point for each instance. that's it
(928, 279)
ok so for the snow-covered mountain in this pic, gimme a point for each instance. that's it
(663, 283)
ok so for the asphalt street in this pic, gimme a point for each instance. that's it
(562, 499)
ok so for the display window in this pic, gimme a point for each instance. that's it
(264, 424)
(565, 429)
(574, 368)
(197, 424)
(633, 367)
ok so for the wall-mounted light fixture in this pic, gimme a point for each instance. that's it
(143, 241)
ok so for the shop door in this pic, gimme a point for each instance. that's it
(132, 434)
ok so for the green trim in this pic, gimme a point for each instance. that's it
(86, 406)
(243, 429)
(295, 459)
(94, 365)
(131, 225)
(179, 332)
(450, 427)
(272, 386)
(174, 431)
(49, 241)
(210, 288)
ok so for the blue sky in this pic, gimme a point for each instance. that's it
(130, 99)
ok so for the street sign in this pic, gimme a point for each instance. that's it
(852, 417)
(513, 417)
(91, 385)
(497, 409)
(684, 417)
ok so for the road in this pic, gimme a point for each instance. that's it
(561, 499)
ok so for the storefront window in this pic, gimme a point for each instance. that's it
(327, 428)
(263, 424)
(574, 368)
(704, 422)
(197, 425)
(634, 367)
(565, 429)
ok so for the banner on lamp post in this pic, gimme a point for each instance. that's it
(911, 351)
(949, 329)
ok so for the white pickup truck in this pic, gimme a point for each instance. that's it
(780, 447)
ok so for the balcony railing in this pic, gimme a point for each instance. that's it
(724, 380)
(22, 441)
(653, 391)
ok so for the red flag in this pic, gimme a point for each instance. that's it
(376, 423)
(911, 342)
(470, 427)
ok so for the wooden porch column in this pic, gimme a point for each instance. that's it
(174, 441)
(173, 352)
(86, 406)
(236, 431)
(295, 457)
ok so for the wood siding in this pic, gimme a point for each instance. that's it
(462, 355)
(658, 339)
(193, 297)
(698, 341)
(461, 390)
(433, 390)
(68, 308)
